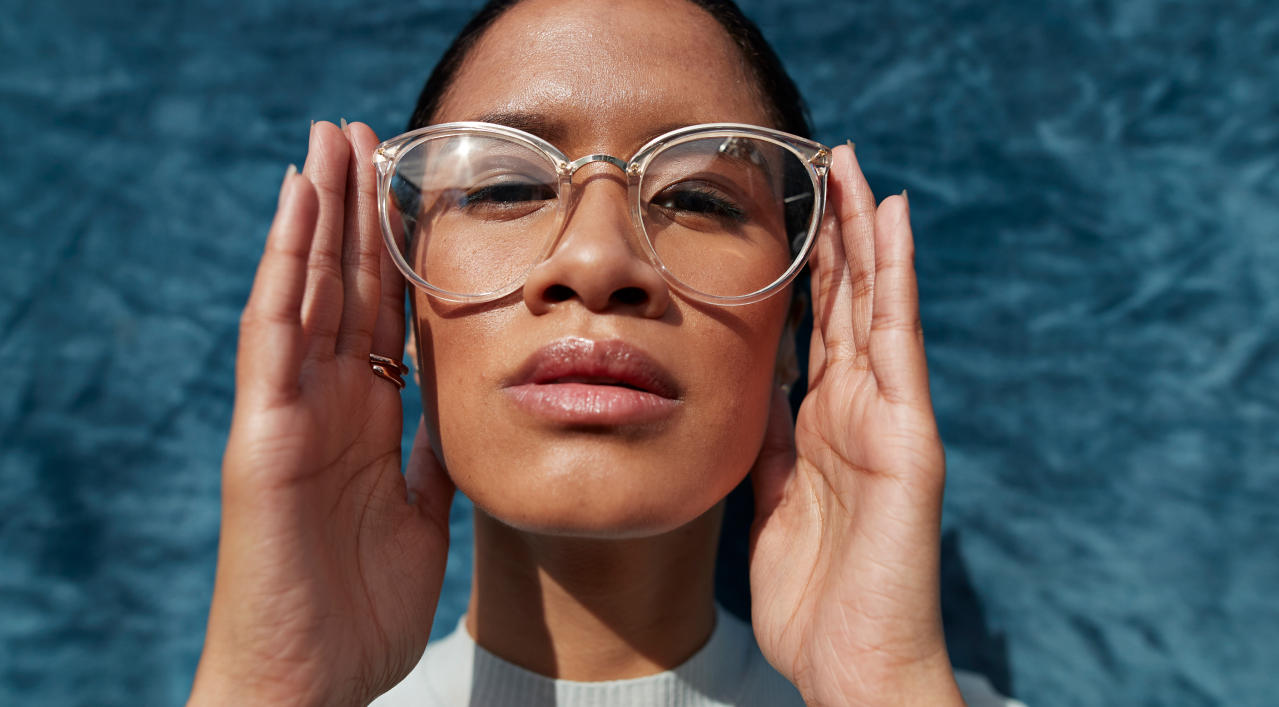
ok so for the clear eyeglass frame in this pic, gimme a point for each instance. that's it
(814, 156)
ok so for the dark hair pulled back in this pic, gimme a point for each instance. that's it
(785, 105)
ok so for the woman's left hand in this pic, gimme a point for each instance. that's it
(846, 541)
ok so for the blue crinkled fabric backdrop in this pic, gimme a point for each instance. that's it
(1095, 188)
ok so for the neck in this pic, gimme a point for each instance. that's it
(591, 610)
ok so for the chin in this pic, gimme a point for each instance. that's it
(595, 498)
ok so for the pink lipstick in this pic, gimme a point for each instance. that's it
(578, 381)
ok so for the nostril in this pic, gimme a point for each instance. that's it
(559, 293)
(630, 296)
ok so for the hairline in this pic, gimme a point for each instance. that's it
(752, 72)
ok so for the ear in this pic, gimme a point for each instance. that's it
(787, 370)
(430, 421)
(410, 352)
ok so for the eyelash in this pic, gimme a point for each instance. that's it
(720, 206)
(486, 193)
(723, 207)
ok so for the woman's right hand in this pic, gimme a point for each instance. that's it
(328, 575)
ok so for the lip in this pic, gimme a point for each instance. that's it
(578, 381)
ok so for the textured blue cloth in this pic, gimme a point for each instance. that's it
(1095, 189)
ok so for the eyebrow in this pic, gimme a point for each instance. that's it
(555, 131)
(661, 130)
(542, 126)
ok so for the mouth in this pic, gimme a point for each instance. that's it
(578, 381)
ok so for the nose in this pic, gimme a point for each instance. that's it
(597, 260)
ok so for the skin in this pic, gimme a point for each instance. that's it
(609, 528)
(594, 548)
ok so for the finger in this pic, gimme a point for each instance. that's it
(388, 334)
(775, 464)
(271, 340)
(827, 254)
(361, 249)
(897, 338)
(857, 226)
(326, 165)
(430, 487)
(846, 331)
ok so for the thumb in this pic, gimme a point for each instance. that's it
(429, 485)
(775, 464)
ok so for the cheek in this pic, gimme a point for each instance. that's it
(454, 367)
(460, 361)
(731, 373)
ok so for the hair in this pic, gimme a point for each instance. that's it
(782, 99)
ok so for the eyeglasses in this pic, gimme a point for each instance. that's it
(726, 213)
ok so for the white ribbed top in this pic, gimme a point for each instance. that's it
(729, 671)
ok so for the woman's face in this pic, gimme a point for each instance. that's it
(598, 402)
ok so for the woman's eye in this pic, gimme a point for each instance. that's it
(700, 201)
(508, 193)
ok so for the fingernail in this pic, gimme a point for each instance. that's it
(412, 497)
(852, 146)
(288, 174)
(907, 198)
(344, 125)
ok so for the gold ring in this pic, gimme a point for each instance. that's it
(388, 368)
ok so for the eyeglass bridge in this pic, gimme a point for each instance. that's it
(569, 168)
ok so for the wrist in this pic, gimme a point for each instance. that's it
(924, 684)
(221, 683)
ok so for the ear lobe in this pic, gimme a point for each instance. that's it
(410, 353)
(787, 370)
(798, 307)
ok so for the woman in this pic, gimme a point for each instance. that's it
(596, 411)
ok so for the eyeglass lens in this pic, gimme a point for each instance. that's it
(726, 216)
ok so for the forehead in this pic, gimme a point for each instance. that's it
(605, 74)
